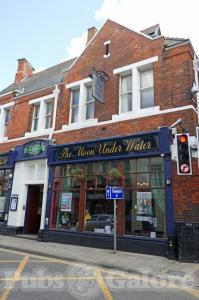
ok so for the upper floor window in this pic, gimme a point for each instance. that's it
(126, 93)
(35, 120)
(75, 106)
(42, 117)
(146, 89)
(82, 107)
(48, 115)
(6, 120)
(5, 111)
(90, 103)
(136, 86)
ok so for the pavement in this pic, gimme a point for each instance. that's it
(148, 265)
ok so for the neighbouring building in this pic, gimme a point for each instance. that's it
(60, 147)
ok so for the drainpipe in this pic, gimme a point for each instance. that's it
(195, 89)
(56, 92)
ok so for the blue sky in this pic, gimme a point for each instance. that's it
(47, 32)
(40, 30)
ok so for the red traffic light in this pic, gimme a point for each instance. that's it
(183, 138)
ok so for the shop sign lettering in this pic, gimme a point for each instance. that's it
(112, 147)
(35, 148)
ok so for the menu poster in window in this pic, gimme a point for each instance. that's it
(13, 203)
(66, 202)
(144, 206)
(2, 203)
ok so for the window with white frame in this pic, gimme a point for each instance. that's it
(35, 119)
(136, 86)
(5, 111)
(6, 120)
(75, 105)
(82, 106)
(146, 88)
(48, 115)
(90, 103)
(126, 93)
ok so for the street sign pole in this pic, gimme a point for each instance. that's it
(115, 226)
(114, 193)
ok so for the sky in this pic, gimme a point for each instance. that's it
(47, 32)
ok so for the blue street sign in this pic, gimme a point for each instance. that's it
(114, 192)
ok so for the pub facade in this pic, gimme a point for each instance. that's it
(77, 206)
(103, 119)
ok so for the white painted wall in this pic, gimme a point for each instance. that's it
(28, 173)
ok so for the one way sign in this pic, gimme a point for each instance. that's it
(114, 192)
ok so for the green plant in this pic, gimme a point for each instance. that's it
(77, 173)
(114, 173)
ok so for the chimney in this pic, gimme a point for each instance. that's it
(91, 32)
(24, 69)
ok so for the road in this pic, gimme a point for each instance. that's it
(27, 276)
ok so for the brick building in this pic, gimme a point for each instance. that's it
(60, 147)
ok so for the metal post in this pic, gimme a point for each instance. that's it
(115, 226)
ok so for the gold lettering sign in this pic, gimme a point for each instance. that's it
(112, 147)
(136, 145)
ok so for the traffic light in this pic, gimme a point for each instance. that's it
(183, 154)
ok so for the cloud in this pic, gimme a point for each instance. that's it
(77, 45)
(177, 18)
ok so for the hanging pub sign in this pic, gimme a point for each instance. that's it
(99, 78)
(109, 148)
(98, 87)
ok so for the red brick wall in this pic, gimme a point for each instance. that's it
(186, 194)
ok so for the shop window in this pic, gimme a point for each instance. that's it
(145, 198)
(4, 182)
(146, 89)
(101, 171)
(66, 210)
(98, 213)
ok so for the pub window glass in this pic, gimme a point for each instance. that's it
(98, 215)
(126, 93)
(145, 200)
(4, 183)
(146, 88)
(75, 106)
(65, 199)
(90, 103)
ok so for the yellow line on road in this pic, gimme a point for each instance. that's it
(164, 283)
(102, 284)
(15, 278)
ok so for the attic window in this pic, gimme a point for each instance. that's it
(107, 49)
